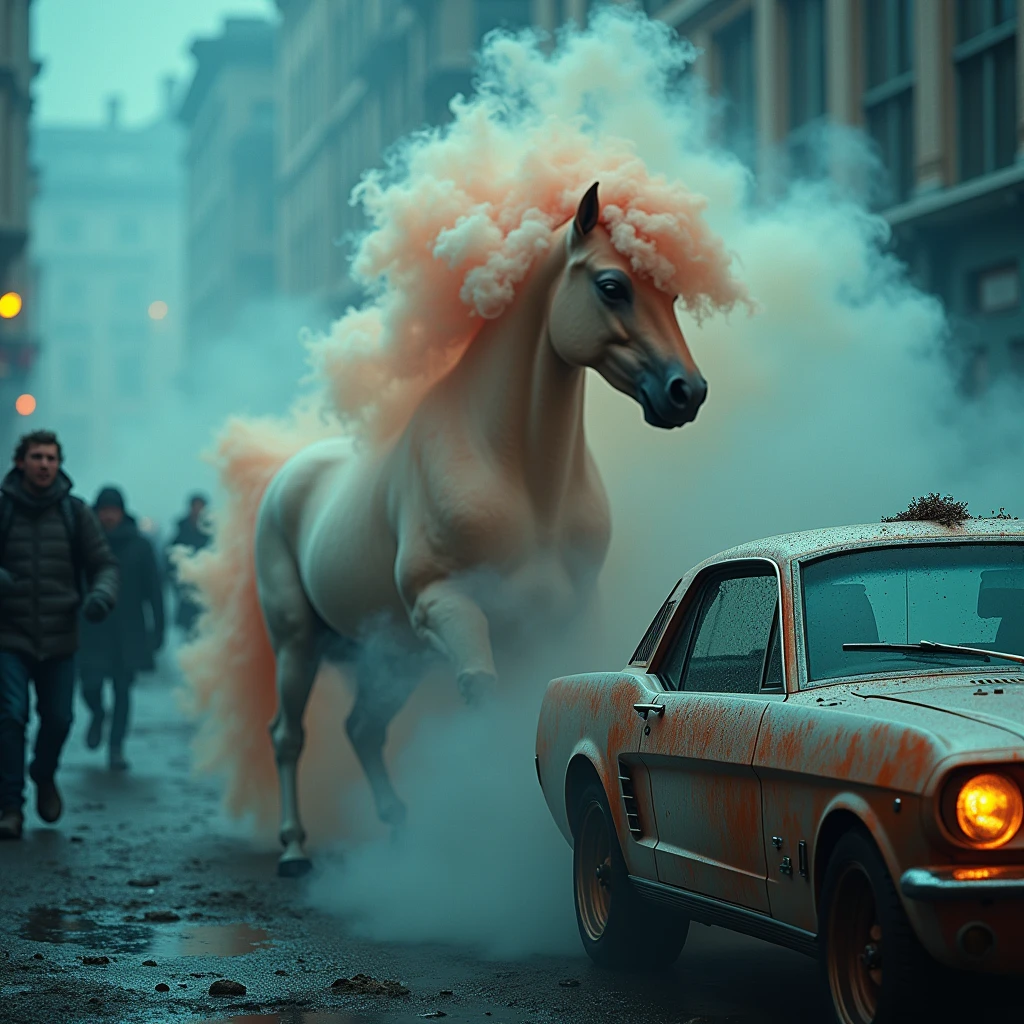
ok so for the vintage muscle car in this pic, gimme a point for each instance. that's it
(820, 742)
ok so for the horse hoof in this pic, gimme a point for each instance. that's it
(477, 688)
(294, 867)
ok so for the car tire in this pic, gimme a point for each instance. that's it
(876, 970)
(619, 928)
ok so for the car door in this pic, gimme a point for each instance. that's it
(720, 673)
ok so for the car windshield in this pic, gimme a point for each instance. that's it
(969, 594)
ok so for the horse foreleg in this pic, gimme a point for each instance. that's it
(378, 700)
(454, 624)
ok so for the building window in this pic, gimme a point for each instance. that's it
(735, 48)
(1015, 349)
(889, 99)
(805, 34)
(997, 289)
(986, 65)
(507, 14)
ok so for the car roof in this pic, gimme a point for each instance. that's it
(788, 547)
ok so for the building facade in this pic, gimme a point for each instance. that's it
(107, 237)
(938, 86)
(353, 76)
(229, 115)
(18, 344)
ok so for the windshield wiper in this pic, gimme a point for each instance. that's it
(930, 647)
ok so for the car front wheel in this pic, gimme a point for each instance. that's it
(619, 929)
(876, 969)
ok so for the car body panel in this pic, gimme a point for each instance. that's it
(738, 783)
(706, 797)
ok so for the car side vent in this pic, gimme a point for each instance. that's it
(629, 801)
(642, 655)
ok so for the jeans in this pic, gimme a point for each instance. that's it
(55, 688)
(92, 694)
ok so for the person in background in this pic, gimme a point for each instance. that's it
(192, 533)
(54, 559)
(125, 644)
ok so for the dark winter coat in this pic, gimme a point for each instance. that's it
(127, 639)
(39, 609)
(189, 535)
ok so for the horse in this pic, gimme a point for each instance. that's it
(487, 503)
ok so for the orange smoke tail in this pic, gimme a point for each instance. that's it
(230, 665)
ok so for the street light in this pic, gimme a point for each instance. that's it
(10, 305)
(25, 404)
(157, 310)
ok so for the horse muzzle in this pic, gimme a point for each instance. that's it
(671, 398)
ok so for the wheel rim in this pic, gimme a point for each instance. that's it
(855, 948)
(593, 872)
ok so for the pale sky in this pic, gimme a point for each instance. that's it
(92, 48)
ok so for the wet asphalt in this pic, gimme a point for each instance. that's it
(141, 898)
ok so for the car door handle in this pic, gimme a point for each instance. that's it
(643, 710)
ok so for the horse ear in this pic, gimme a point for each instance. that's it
(587, 213)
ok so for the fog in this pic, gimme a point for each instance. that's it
(833, 402)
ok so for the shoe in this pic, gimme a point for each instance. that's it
(10, 825)
(95, 733)
(117, 761)
(49, 805)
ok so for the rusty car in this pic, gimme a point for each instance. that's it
(819, 741)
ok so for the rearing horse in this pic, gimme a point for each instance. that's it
(491, 476)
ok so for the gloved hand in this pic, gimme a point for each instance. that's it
(97, 607)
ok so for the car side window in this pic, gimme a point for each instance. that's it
(773, 680)
(731, 634)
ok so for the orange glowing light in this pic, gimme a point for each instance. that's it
(25, 404)
(972, 874)
(157, 310)
(10, 305)
(989, 810)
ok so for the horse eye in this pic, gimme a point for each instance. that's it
(613, 290)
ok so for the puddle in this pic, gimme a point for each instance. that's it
(49, 924)
(210, 940)
(298, 1017)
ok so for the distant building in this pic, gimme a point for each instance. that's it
(229, 114)
(939, 87)
(353, 77)
(17, 329)
(107, 229)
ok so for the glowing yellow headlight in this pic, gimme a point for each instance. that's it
(989, 810)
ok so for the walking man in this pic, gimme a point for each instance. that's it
(54, 559)
(193, 534)
(126, 641)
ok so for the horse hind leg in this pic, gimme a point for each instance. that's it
(295, 632)
(380, 696)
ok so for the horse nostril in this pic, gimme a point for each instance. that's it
(678, 392)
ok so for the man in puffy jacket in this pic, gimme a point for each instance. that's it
(54, 559)
(125, 643)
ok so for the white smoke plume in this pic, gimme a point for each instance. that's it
(834, 404)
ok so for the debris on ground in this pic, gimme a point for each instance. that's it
(163, 988)
(569, 983)
(95, 961)
(161, 916)
(933, 508)
(149, 963)
(144, 883)
(364, 985)
(224, 987)
(433, 1014)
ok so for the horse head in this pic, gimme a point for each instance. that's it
(606, 316)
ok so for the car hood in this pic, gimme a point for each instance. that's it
(994, 702)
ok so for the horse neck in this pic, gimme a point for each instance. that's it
(527, 403)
